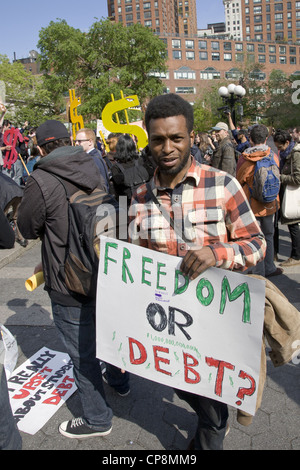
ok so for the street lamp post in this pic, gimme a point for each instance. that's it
(232, 94)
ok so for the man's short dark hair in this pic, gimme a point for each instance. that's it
(242, 132)
(164, 106)
(259, 134)
(281, 136)
(112, 135)
(50, 146)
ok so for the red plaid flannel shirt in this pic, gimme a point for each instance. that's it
(210, 207)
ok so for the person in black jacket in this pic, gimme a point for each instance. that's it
(44, 213)
(128, 170)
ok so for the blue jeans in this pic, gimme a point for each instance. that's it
(77, 329)
(10, 438)
(212, 420)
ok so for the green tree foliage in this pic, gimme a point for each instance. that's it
(206, 112)
(104, 61)
(281, 111)
(26, 97)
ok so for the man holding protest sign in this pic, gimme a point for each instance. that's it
(213, 224)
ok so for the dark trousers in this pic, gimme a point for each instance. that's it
(78, 333)
(294, 230)
(212, 420)
(10, 438)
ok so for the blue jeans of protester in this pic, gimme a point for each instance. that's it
(10, 438)
(77, 329)
(212, 420)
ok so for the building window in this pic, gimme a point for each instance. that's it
(257, 75)
(238, 46)
(176, 43)
(189, 44)
(239, 57)
(165, 75)
(272, 59)
(190, 55)
(234, 74)
(278, 7)
(184, 73)
(227, 56)
(261, 58)
(203, 55)
(185, 89)
(177, 55)
(202, 45)
(293, 60)
(215, 56)
(227, 46)
(210, 74)
(215, 45)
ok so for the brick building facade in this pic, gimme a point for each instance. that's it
(267, 33)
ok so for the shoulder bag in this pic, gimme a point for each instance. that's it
(290, 207)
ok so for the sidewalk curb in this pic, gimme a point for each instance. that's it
(7, 256)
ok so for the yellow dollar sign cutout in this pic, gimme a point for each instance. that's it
(104, 141)
(119, 105)
(76, 120)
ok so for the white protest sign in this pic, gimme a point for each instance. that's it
(203, 336)
(39, 387)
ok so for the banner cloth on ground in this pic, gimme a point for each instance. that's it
(39, 387)
(203, 336)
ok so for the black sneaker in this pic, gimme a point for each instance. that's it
(77, 429)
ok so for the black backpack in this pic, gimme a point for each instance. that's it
(90, 215)
(134, 176)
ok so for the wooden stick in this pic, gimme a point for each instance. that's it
(24, 165)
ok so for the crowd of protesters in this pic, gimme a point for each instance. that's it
(121, 167)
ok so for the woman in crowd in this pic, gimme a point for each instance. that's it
(128, 171)
(290, 174)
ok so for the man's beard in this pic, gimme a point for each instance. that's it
(176, 170)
